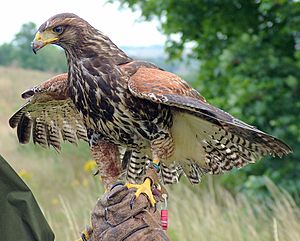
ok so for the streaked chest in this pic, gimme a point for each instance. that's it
(111, 111)
(101, 101)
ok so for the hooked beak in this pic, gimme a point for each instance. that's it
(42, 39)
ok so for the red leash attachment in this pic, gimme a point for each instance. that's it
(164, 214)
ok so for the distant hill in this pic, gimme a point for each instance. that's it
(156, 54)
(154, 51)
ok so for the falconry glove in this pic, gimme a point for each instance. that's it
(113, 218)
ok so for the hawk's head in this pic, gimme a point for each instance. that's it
(78, 38)
(66, 30)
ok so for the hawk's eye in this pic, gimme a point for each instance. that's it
(58, 29)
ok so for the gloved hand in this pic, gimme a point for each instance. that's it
(113, 218)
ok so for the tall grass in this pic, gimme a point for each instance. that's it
(67, 193)
(198, 213)
(215, 214)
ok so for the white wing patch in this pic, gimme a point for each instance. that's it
(203, 147)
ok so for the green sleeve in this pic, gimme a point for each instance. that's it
(20, 215)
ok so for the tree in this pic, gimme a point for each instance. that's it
(7, 54)
(249, 65)
(19, 52)
(22, 42)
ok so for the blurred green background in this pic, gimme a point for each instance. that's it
(244, 57)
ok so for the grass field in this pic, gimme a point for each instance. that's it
(67, 192)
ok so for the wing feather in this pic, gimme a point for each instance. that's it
(163, 87)
(24, 129)
(49, 115)
(218, 141)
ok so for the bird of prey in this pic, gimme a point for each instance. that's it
(153, 113)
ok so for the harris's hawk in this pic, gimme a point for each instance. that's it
(151, 112)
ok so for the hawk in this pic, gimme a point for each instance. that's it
(153, 113)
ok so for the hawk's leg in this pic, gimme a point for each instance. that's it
(135, 173)
(145, 188)
(150, 187)
(160, 148)
(107, 157)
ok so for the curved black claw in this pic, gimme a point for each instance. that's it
(117, 184)
(155, 207)
(83, 237)
(156, 192)
(114, 193)
(96, 173)
(86, 234)
(132, 200)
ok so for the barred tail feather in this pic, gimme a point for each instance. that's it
(54, 136)
(15, 119)
(39, 133)
(204, 147)
(24, 128)
(46, 128)
(171, 174)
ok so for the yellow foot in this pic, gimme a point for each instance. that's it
(143, 188)
(86, 234)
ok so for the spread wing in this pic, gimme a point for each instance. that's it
(49, 115)
(223, 141)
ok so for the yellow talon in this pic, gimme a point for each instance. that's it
(143, 188)
(85, 234)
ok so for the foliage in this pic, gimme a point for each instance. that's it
(19, 52)
(249, 65)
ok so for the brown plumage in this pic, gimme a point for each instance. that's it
(49, 115)
(149, 111)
